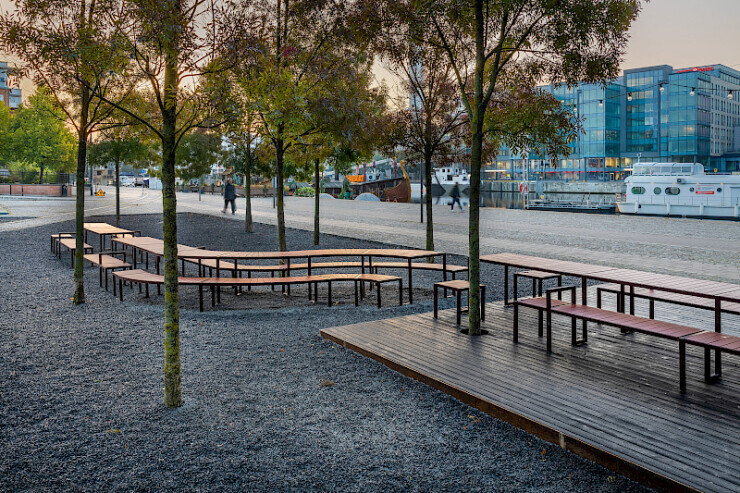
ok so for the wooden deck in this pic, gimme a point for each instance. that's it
(615, 401)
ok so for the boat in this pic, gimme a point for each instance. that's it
(445, 178)
(680, 189)
(401, 192)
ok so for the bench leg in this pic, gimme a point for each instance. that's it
(328, 285)
(146, 286)
(482, 303)
(516, 287)
(540, 324)
(436, 295)
(120, 289)
(682, 364)
(213, 296)
(200, 296)
(598, 297)
(400, 292)
(357, 298)
(377, 286)
(573, 329)
(506, 284)
(710, 377)
(534, 288)
(632, 300)
(549, 331)
(114, 285)
(584, 300)
(652, 308)
(100, 276)
(459, 308)
(516, 323)
(560, 285)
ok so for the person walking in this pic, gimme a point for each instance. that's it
(455, 194)
(229, 196)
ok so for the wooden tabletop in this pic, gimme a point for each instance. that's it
(105, 229)
(663, 282)
(156, 246)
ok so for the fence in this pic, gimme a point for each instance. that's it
(32, 177)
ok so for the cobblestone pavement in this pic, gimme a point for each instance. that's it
(699, 248)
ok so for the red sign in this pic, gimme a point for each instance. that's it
(705, 190)
(695, 69)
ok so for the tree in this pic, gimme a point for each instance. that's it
(174, 45)
(120, 146)
(352, 118)
(197, 152)
(431, 123)
(553, 40)
(68, 46)
(40, 137)
(301, 47)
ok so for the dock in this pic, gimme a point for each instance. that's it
(615, 401)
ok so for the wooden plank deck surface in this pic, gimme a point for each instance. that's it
(615, 400)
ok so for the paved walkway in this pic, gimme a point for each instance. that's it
(698, 248)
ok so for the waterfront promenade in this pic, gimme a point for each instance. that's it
(707, 249)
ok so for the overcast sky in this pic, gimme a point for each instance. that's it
(681, 33)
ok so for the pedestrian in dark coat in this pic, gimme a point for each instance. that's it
(455, 194)
(229, 196)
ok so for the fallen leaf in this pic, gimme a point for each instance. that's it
(327, 383)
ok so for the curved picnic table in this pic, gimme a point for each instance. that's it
(155, 247)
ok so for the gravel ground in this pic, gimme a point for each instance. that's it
(268, 404)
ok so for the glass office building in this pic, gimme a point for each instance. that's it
(649, 114)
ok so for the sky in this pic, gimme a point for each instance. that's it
(680, 33)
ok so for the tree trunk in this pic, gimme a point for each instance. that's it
(248, 195)
(79, 275)
(118, 193)
(428, 198)
(172, 383)
(278, 191)
(476, 154)
(41, 175)
(316, 193)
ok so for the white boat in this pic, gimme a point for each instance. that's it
(680, 189)
(445, 178)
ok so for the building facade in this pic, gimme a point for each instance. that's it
(10, 96)
(649, 114)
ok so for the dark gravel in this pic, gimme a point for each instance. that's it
(81, 393)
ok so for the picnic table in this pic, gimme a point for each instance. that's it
(104, 230)
(155, 247)
(627, 279)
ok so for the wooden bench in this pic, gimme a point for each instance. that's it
(653, 295)
(457, 287)
(71, 245)
(54, 241)
(537, 276)
(107, 262)
(709, 341)
(623, 321)
(140, 277)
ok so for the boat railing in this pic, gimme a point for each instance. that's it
(675, 200)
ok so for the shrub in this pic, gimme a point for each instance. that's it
(304, 192)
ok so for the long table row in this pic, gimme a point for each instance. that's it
(155, 247)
